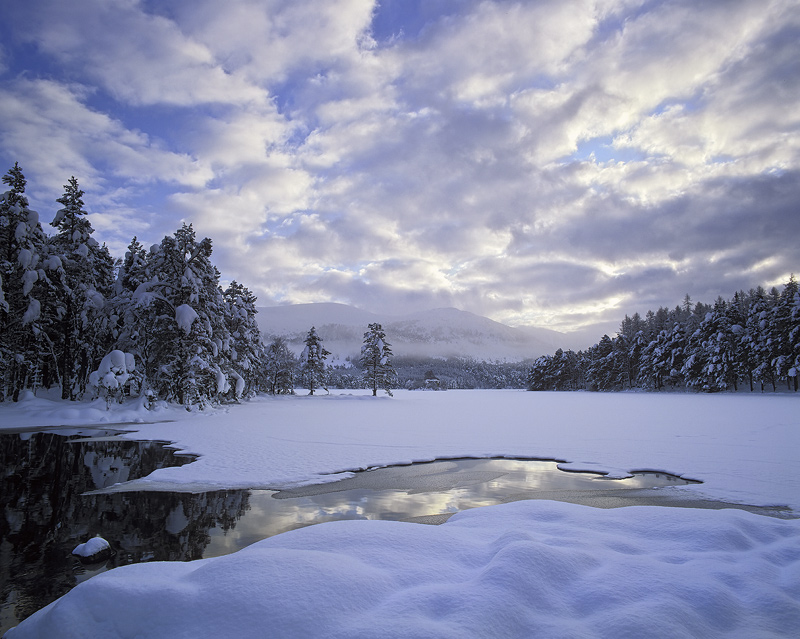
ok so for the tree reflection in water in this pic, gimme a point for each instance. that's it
(46, 514)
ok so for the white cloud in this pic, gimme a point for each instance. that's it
(268, 41)
(139, 58)
(535, 161)
(483, 55)
(56, 135)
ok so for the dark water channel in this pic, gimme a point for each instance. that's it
(46, 512)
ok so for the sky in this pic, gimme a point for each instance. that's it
(552, 163)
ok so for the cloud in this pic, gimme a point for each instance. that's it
(555, 163)
(138, 57)
(57, 135)
(273, 41)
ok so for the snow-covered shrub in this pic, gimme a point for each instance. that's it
(116, 377)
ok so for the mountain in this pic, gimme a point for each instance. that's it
(441, 332)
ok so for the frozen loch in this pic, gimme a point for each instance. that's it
(528, 568)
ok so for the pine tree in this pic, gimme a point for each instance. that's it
(26, 288)
(180, 321)
(312, 362)
(758, 336)
(133, 270)
(749, 338)
(783, 349)
(82, 335)
(711, 365)
(376, 356)
(244, 352)
(735, 320)
(560, 373)
(675, 355)
(794, 340)
(280, 366)
(539, 374)
(132, 311)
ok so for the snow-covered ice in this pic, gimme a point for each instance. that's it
(523, 569)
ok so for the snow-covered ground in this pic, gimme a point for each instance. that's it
(523, 569)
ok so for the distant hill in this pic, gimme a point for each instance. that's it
(441, 332)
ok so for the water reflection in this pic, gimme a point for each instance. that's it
(49, 507)
(46, 513)
(428, 492)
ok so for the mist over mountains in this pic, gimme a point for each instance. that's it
(441, 332)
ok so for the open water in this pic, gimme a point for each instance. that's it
(57, 491)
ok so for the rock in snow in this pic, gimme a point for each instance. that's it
(96, 549)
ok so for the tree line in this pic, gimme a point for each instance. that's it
(158, 324)
(750, 341)
(155, 324)
(309, 370)
(452, 373)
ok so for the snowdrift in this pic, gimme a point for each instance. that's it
(523, 569)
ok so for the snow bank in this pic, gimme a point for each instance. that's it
(523, 569)
(47, 409)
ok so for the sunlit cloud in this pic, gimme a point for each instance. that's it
(551, 163)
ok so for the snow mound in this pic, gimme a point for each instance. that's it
(523, 569)
(91, 547)
(96, 548)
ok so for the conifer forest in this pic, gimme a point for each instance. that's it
(157, 324)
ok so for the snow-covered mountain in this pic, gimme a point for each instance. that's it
(441, 332)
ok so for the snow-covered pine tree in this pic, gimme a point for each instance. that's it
(652, 363)
(757, 332)
(280, 367)
(312, 362)
(748, 339)
(794, 340)
(693, 366)
(245, 352)
(180, 321)
(736, 317)
(607, 364)
(26, 356)
(82, 334)
(675, 354)
(376, 356)
(783, 333)
(133, 270)
(711, 363)
(561, 374)
(540, 374)
(132, 311)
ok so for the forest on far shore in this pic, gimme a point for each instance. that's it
(158, 325)
(751, 341)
